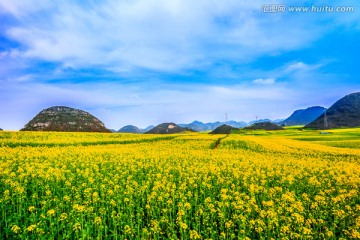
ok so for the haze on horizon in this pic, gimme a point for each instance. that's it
(145, 62)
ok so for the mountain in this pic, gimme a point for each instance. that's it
(129, 129)
(223, 129)
(147, 129)
(1, 129)
(196, 125)
(235, 124)
(166, 128)
(343, 113)
(277, 121)
(259, 121)
(264, 126)
(303, 116)
(200, 127)
(65, 119)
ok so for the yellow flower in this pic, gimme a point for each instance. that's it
(112, 202)
(183, 225)
(77, 227)
(31, 228)
(15, 229)
(194, 235)
(6, 193)
(51, 212)
(79, 208)
(98, 221)
(329, 233)
(285, 229)
(66, 198)
(63, 216)
(127, 229)
(229, 224)
(355, 234)
(187, 206)
(306, 231)
(181, 213)
(31, 209)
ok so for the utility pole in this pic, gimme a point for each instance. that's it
(326, 125)
(226, 117)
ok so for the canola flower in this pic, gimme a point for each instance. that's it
(255, 185)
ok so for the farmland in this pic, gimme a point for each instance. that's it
(287, 184)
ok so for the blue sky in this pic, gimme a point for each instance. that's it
(145, 62)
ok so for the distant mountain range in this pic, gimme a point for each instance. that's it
(344, 113)
(200, 127)
(299, 117)
(277, 121)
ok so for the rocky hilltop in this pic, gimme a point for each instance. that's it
(65, 119)
(344, 113)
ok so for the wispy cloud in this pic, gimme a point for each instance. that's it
(267, 81)
(300, 66)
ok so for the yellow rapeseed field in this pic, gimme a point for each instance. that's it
(254, 185)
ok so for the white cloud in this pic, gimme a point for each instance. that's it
(301, 66)
(22, 8)
(158, 35)
(267, 81)
(296, 66)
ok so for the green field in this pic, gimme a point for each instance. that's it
(287, 184)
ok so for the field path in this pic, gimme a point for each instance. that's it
(218, 141)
